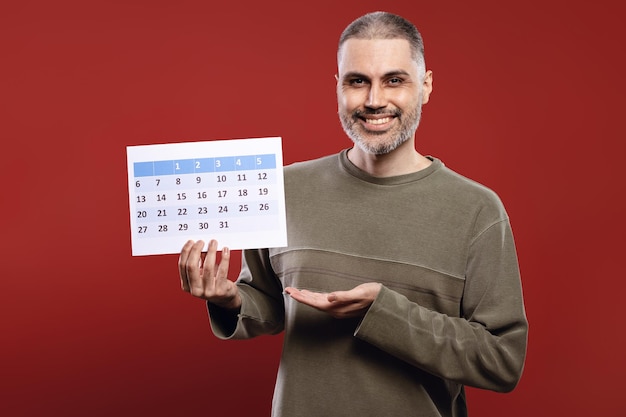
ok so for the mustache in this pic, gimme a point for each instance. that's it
(372, 112)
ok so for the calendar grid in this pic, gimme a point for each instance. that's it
(223, 195)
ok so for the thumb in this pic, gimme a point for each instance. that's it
(337, 297)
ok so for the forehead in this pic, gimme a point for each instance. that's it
(375, 56)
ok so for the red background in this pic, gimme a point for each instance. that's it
(528, 99)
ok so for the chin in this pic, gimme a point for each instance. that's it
(378, 147)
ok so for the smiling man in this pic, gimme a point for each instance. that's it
(400, 284)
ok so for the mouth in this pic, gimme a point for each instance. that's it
(376, 123)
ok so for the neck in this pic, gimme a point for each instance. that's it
(397, 162)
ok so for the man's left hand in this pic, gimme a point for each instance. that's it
(339, 304)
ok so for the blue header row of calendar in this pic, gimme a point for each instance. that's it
(199, 165)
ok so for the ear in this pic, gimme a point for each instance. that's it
(427, 86)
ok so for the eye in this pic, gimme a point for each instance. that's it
(395, 81)
(357, 82)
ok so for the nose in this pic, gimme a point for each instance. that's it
(376, 97)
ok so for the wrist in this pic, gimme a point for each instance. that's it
(232, 304)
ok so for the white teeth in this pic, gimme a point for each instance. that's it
(378, 121)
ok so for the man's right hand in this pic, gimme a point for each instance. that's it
(202, 278)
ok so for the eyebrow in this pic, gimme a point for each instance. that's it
(356, 74)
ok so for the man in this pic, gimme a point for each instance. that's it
(400, 283)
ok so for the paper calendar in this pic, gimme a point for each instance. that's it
(228, 190)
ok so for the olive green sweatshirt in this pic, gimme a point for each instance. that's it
(450, 312)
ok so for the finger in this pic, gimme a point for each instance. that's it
(364, 292)
(208, 270)
(310, 298)
(182, 265)
(295, 293)
(193, 267)
(341, 297)
(222, 270)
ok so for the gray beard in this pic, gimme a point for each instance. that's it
(409, 123)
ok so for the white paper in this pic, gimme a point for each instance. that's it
(229, 190)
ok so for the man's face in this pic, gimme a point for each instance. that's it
(379, 93)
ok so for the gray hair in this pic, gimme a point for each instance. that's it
(384, 25)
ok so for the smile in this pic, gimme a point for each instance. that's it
(378, 121)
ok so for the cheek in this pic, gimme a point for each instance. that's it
(341, 102)
(348, 102)
(407, 99)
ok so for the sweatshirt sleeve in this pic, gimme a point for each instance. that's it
(486, 346)
(262, 308)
